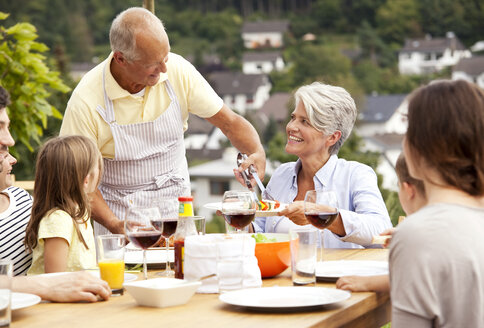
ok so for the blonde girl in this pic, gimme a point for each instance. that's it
(59, 233)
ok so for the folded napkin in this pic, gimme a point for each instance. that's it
(202, 251)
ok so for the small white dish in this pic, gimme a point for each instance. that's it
(162, 292)
(23, 300)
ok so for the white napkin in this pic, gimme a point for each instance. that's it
(201, 259)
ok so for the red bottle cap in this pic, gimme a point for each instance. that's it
(185, 199)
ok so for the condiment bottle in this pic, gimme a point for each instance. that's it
(185, 227)
(186, 206)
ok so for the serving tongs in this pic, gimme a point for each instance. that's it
(250, 173)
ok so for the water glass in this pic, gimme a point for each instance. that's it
(6, 271)
(230, 263)
(110, 259)
(303, 255)
(199, 224)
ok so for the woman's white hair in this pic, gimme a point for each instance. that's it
(329, 109)
(127, 24)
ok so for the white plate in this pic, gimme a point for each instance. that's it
(127, 276)
(218, 206)
(332, 270)
(132, 247)
(152, 256)
(23, 300)
(284, 298)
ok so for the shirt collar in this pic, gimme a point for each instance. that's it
(323, 175)
(113, 89)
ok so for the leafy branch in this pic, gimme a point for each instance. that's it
(29, 81)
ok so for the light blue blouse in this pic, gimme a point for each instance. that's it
(361, 205)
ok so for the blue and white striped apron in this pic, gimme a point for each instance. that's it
(149, 160)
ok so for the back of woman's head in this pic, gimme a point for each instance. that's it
(404, 175)
(329, 109)
(63, 163)
(446, 132)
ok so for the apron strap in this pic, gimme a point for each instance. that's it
(108, 113)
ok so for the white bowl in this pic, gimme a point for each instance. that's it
(162, 292)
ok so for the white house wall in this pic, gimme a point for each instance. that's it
(257, 67)
(459, 75)
(195, 141)
(255, 40)
(386, 165)
(415, 62)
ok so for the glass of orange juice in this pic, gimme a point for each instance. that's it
(110, 259)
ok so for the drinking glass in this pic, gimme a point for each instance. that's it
(167, 224)
(110, 259)
(6, 272)
(321, 209)
(140, 231)
(238, 208)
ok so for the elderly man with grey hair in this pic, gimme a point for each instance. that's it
(135, 107)
(322, 121)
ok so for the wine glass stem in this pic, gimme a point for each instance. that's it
(321, 246)
(167, 247)
(145, 270)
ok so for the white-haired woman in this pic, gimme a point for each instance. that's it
(323, 119)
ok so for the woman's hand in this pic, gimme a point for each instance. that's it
(295, 213)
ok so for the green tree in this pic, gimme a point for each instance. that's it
(397, 20)
(24, 73)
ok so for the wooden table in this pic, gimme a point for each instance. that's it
(205, 310)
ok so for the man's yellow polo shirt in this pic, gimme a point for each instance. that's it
(193, 92)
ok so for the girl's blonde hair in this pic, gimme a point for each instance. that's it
(63, 164)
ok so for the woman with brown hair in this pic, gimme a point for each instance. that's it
(436, 257)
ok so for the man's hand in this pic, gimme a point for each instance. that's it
(243, 136)
(69, 287)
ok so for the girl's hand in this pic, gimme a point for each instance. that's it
(387, 232)
(353, 283)
(295, 213)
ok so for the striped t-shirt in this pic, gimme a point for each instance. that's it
(13, 223)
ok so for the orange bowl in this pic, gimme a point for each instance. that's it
(273, 257)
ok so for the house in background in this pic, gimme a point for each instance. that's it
(428, 55)
(277, 107)
(382, 123)
(197, 133)
(389, 145)
(262, 62)
(471, 70)
(267, 34)
(241, 92)
(210, 180)
(382, 114)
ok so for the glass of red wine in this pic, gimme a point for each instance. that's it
(238, 208)
(140, 231)
(321, 209)
(167, 225)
